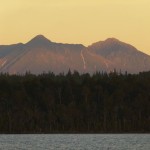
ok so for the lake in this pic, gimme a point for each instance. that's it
(75, 142)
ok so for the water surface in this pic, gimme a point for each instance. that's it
(75, 142)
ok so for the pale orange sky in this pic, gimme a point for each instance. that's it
(76, 21)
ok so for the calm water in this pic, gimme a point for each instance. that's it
(76, 142)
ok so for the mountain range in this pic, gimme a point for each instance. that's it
(42, 55)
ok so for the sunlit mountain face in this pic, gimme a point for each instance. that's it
(42, 55)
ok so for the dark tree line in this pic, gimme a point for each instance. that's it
(75, 103)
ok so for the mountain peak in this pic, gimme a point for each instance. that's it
(112, 46)
(112, 40)
(40, 36)
(112, 43)
(39, 40)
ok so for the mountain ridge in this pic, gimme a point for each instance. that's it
(42, 55)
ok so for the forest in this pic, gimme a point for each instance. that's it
(75, 103)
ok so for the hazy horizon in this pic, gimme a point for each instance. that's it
(80, 21)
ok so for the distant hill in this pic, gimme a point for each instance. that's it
(42, 55)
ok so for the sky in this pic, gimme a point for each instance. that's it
(76, 21)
